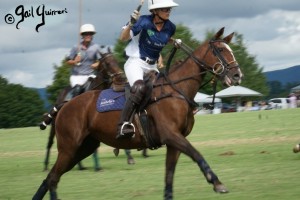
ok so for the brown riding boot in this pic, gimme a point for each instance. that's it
(125, 127)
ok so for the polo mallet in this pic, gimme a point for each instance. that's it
(80, 23)
(140, 6)
(132, 20)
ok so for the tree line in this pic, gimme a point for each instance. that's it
(19, 106)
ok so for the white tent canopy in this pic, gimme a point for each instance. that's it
(237, 91)
(204, 98)
(296, 89)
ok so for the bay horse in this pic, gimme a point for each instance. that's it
(170, 117)
(108, 72)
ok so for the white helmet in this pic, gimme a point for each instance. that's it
(154, 4)
(87, 28)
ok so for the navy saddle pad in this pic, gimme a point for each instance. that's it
(110, 100)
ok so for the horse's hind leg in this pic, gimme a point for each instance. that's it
(64, 163)
(43, 189)
(67, 158)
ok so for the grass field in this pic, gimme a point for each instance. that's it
(251, 152)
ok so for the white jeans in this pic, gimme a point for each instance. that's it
(135, 68)
(79, 79)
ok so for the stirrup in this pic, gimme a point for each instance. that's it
(128, 123)
(126, 134)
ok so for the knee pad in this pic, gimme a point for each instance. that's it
(138, 91)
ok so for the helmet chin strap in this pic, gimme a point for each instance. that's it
(159, 17)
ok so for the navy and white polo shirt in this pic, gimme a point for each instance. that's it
(146, 40)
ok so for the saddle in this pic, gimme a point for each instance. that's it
(79, 89)
(111, 99)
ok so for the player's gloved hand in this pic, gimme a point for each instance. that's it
(134, 17)
(177, 43)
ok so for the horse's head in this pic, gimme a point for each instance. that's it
(109, 63)
(221, 61)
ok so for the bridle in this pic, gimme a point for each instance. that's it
(107, 65)
(225, 65)
(105, 68)
(218, 69)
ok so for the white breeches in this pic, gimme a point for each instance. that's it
(79, 79)
(135, 68)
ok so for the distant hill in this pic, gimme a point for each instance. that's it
(288, 75)
(43, 95)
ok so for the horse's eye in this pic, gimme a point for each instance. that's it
(220, 49)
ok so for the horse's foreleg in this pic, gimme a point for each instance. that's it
(183, 145)
(48, 118)
(171, 161)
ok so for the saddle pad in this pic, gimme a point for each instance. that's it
(110, 100)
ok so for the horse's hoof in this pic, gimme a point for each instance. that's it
(145, 155)
(220, 189)
(98, 169)
(116, 152)
(296, 149)
(130, 161)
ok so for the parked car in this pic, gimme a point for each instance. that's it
(279, 103)
(226, 108)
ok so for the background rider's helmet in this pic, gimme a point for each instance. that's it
(87, 28)
(155, 4)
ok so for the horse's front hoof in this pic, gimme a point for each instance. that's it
(220, 188)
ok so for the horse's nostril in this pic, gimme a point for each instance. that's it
(236, 77)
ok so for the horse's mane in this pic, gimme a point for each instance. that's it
(176, 65)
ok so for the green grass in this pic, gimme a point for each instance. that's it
(251, 152)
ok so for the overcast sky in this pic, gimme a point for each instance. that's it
(270, 29)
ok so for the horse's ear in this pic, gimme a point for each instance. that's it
(102, 54)
(228, 38)
(219, 33)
